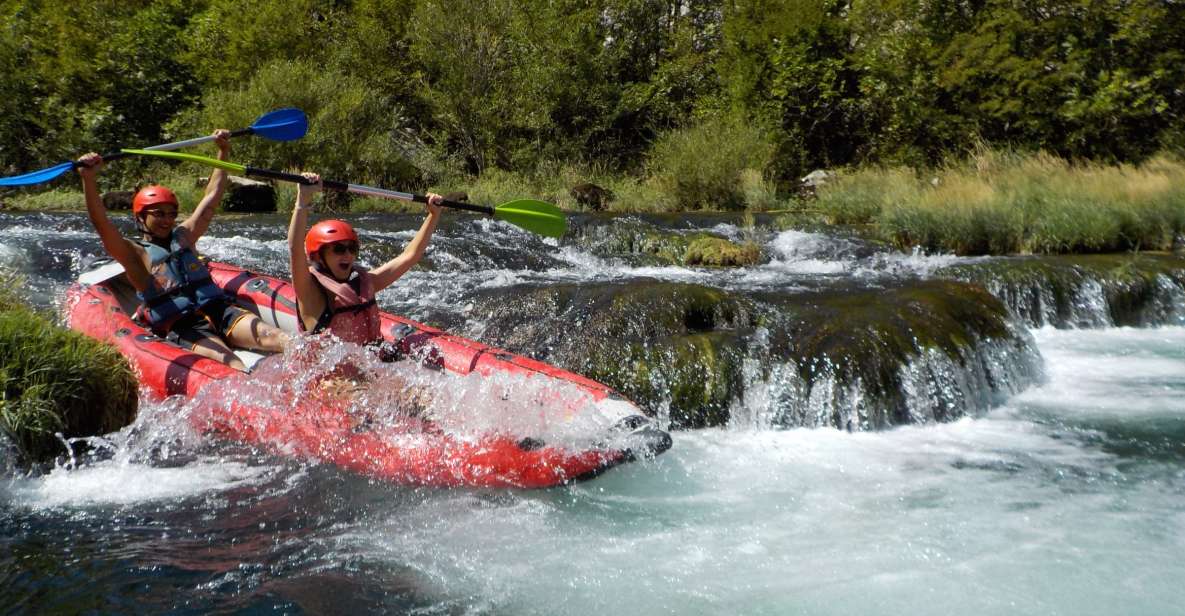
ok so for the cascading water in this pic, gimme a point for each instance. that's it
(1057, 491)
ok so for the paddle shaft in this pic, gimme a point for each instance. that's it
(369, 191)
(176, 145)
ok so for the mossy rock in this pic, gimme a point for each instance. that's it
(663, 345)
(719, 252)
(631, 237)
(1137, 290)
(691, 351)
(868, 339)
(53, 380)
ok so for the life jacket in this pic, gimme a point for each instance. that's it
(351, 312)
(179, 284)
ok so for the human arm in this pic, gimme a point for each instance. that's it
(197, 222)
(389, 272)
(310, 302)
(128, 254)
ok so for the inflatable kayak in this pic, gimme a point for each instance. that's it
(414, 450)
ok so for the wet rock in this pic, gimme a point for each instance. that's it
(919, 352)
(658, 343)
(1137, 290)
(118, 200)
(850, 358)
(591, 197)
(719, 252)
(647, 244)
(456, 195)
(248, 196)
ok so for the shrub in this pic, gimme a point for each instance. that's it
(700, 167)
(860, 196)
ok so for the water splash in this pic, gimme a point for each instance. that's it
(158, 458)
(347, 387)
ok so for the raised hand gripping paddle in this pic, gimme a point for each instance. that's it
(279, 125)
(535, 216)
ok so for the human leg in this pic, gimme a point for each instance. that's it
(245, 330)
(198, 335)
(214, 348)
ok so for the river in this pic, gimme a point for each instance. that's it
(1067, 498)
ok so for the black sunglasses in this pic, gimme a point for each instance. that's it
(341, 248)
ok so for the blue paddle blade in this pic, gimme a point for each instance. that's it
(282, 125)
(37, 177)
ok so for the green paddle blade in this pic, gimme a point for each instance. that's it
(193, 158)
(534, 216)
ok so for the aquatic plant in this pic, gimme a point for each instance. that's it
(56, 381)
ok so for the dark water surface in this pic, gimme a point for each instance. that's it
(1067, 499)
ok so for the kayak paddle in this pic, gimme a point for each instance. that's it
(535, 216)
(279, 125)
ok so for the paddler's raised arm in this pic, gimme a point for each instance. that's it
(126, 253)
(197, 222)
(309, 300)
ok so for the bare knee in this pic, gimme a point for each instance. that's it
(274, 340)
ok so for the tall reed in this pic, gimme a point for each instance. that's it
(1000, 202)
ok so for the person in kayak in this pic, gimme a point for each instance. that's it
(334, 294)
(180, 301)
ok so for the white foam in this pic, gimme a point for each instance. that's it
(1121, 372)
(126, 483)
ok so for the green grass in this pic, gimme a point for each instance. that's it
(996, 202)
(53, 380)
(54, 199)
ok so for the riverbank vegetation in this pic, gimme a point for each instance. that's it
(661, 105)
(998, 202)
(56, 381)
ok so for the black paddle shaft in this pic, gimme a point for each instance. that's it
(345, 187)
(106, 158)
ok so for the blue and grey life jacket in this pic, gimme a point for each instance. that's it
(180, 284)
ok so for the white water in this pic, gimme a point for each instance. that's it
(1066, 500)
(1037, 508)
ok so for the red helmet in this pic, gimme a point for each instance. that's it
(328, 232)
(151, 195)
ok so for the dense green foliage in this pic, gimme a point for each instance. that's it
(412, 91)
(57, 381)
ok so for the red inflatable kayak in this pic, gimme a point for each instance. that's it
(408, 450)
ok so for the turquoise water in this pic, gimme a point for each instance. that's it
(1066, 499)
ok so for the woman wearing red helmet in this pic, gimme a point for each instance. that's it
(333, 292)
(180, 301)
